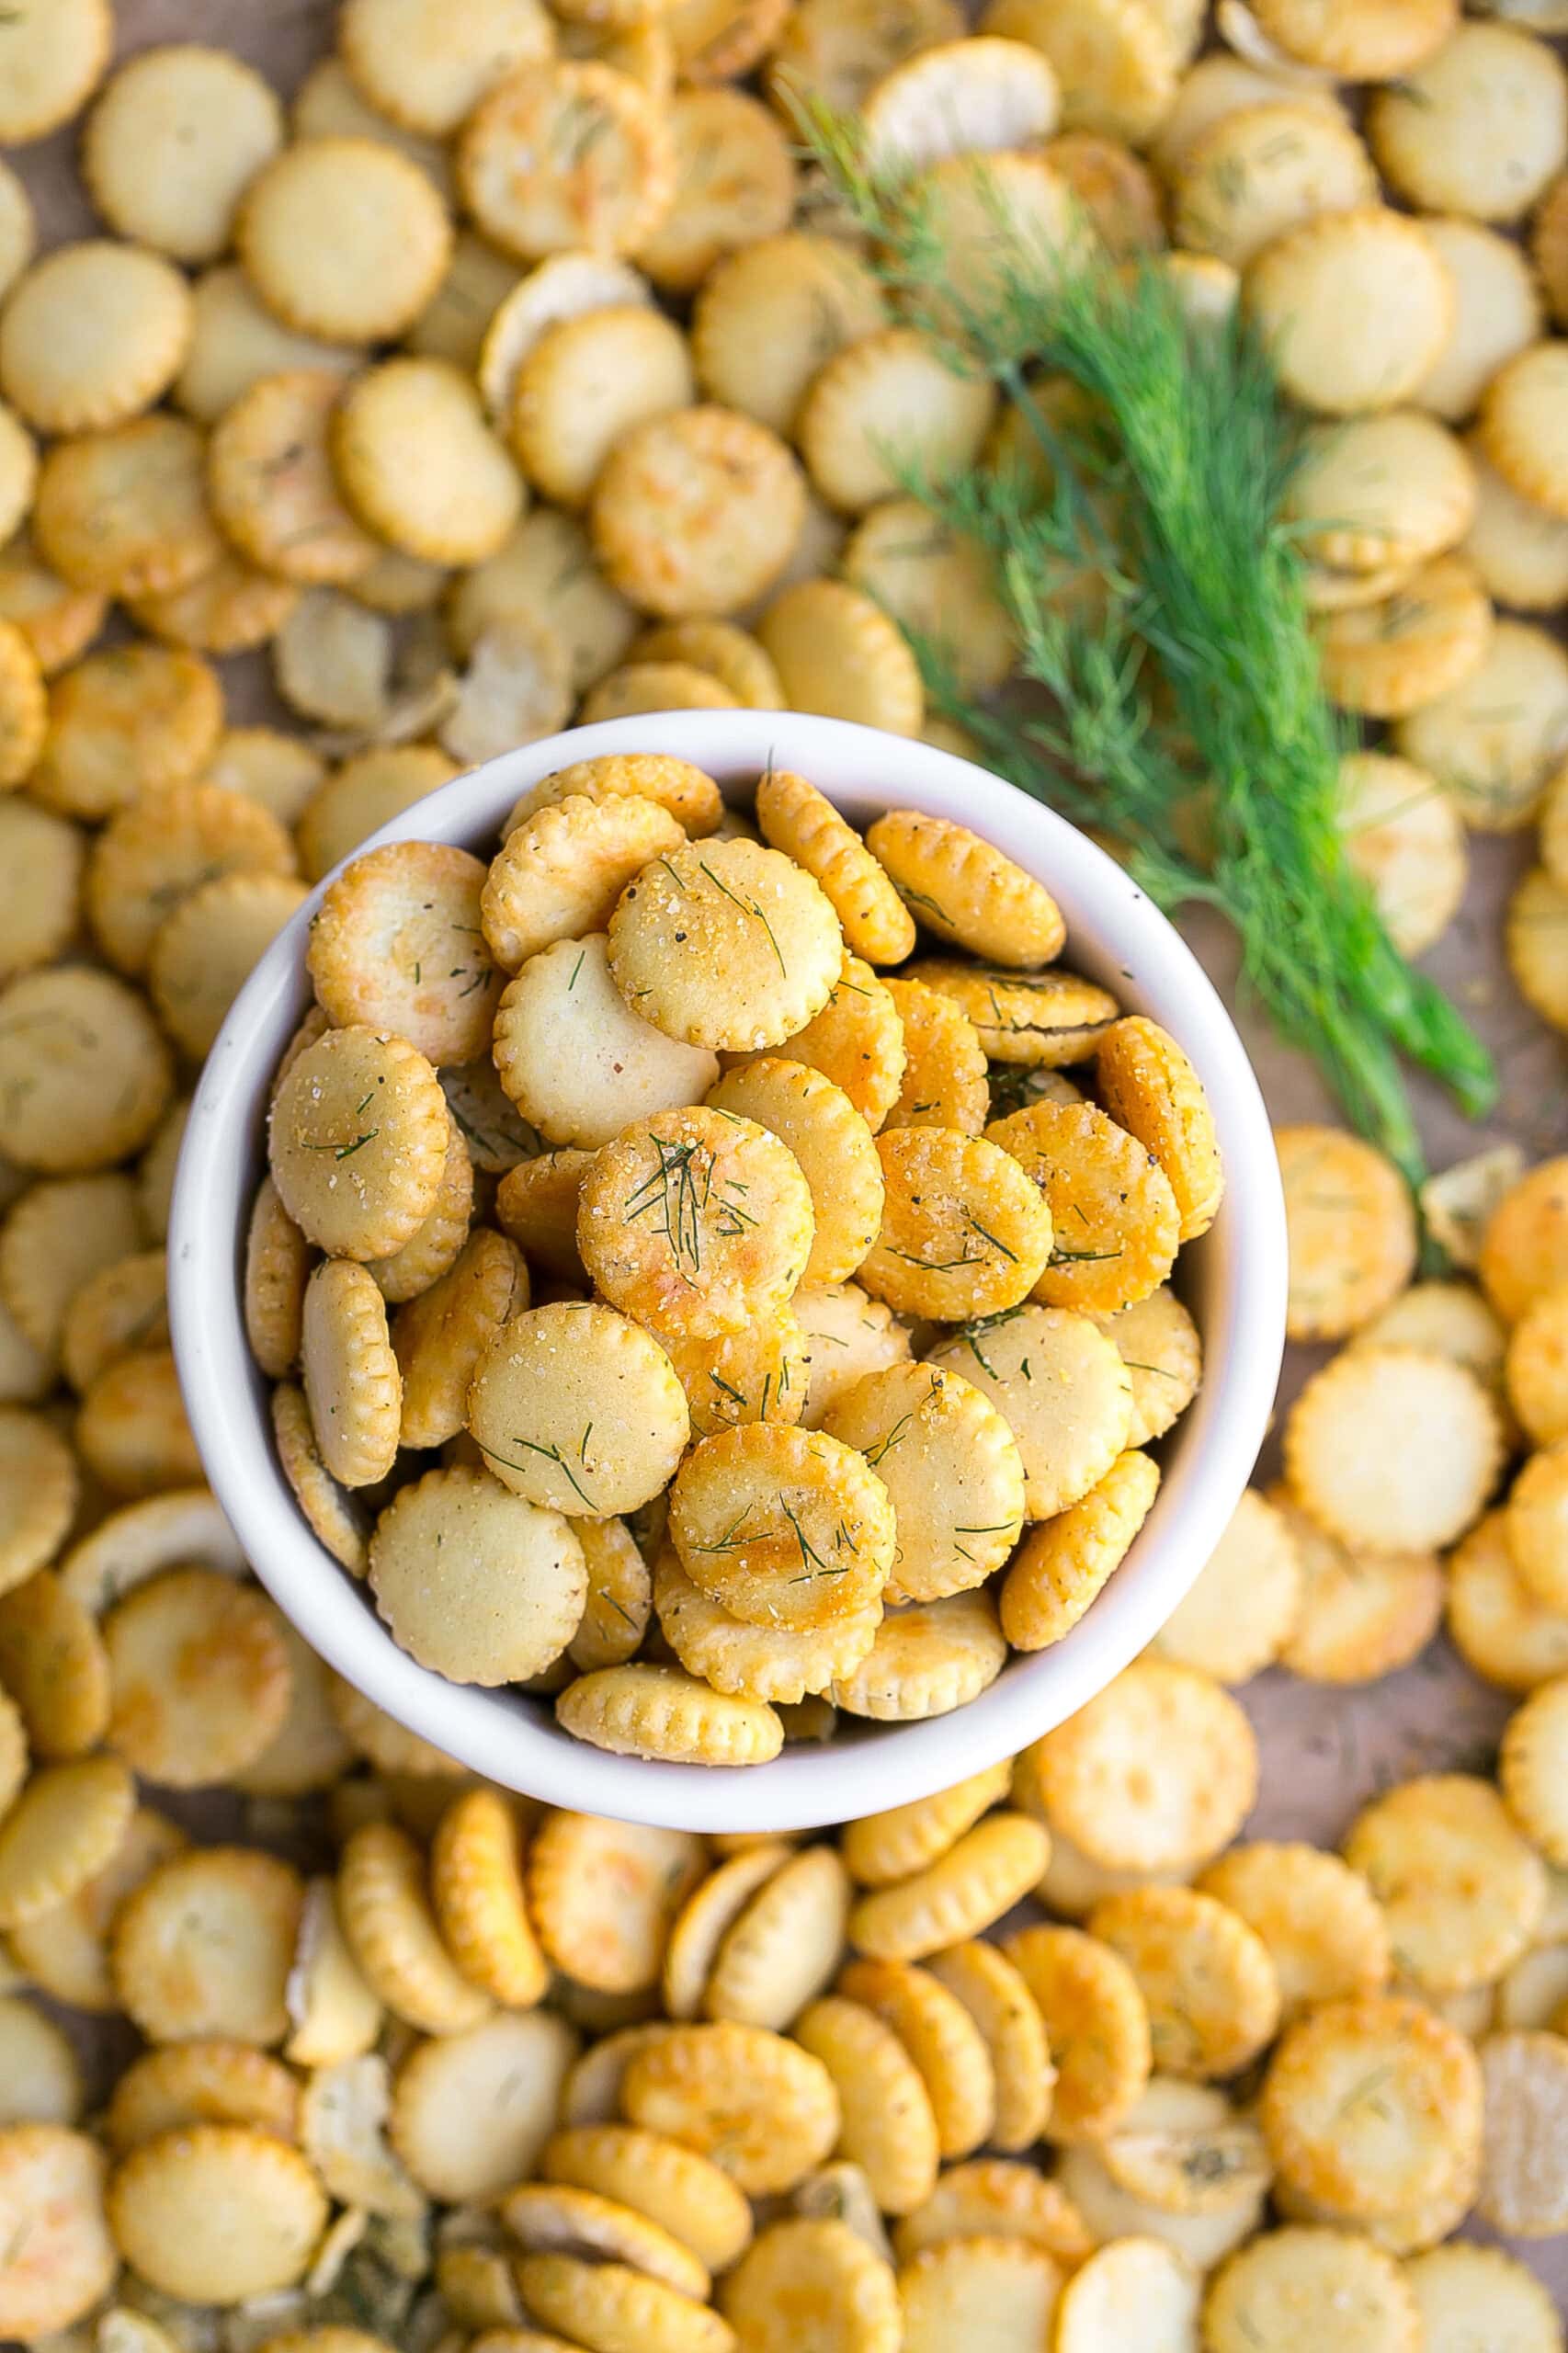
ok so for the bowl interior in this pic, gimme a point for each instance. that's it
(1233, 1280)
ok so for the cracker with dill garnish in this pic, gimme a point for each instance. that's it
(579, 1409)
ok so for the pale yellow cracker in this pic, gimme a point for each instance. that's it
(757, 1374)
(333, 663)
(1404, 837)
(602, 1896)
(1410, 649)
(1207, 1978)
(42, 2082)
(1536, 1367)
(1464, 1893)
(638, 687)
(721, 651)
(813, 2275)
(394, 945)
(60, 2256)
(332, 1515)
(1464, 2289)
(1497, 314)
(309, 1752)
(358, 798)
(1115, 1217)
(333, 2014)
(1357, 306)
(418, 464)
(674, 2185)
(833, 1146)
(511, 1578)
(614, 2304)
(945, 1071)
(476, 1879)
(392, 246)
(433, 1250)
(1534, 929)
(1373, 43)
(703, 1922)
(988, 2199)
(1316, 2280)
(172, 143)
(558, 2217)
(217, 2212)
(18, 471)
(39, 1487)
(715, 39)
(209, 2081)
(1133, 2281)
(538, 1207)
(470, 2112)
(1158, 1771)
(782, 1950)
(857, 1041)
(587, 380)
(1493, 739)
(131, 1432)
(393, 1935)
(1049, 1018)
(884, 1847)
(964, 1231)
(1096, 2027)
(1509, 1637)
(563, 286)
(764, 2109)
(600, 167)
(604, 1415)
(1531, 1767)
(1064, 1564)
(1518, 550)
(271, 483)
(1116, 63)
(1370, 2105)
(560, 870)
(59, 1233)
(1524, 1243)
(234, 341)
(427, 66)
(1247, 1601)
(439, 1336)
(143, 719)
(1478, 128)
(776, 1662)
(1363, 1613)
(93, 333)
(57, 621)
(965, 892)
(951, 1468)
(838, 654)
(888, 2123)
(66, 1946)
(124, 512)
(1522, 2187)
(54, 1667)
(1265, 169)
(233, 608)
(152, 854)
(1188, 2167)
(767, 316)
(1393, 1450)
(201, 1676)
(349, 1372)
(59, 56)
(1061, 1387)
(847, 1333)
(784, 1527)
(958, 1895)
(1149, 1088)
(927, 1659)
(207, 947)
(358, 1137)
(735, 182)
(697, 513)
(203, 1943)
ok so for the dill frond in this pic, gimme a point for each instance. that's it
(1157, 598)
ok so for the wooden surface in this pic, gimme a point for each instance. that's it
(1324, 1752)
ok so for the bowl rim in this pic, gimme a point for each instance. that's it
(1113, 928)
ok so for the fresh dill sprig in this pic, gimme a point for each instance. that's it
(1157, 596)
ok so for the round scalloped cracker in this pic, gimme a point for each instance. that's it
(560, 2218)
(1495, 1623)
(830, 1143)
(654, 1711)
(42, 2079)
(962, 1892)
(65, 1949)
(1536, 1367)
(37, 1493)
(1207, 1978)
(233, 608)
(392, 242)
(561, 156)
(1300, 2285)
(1392, 1450)
(697, 1221)
(638, 687)
(888, 2126)
(1064, 1564)
(512, 1583)
(1035, 1020)
(476, 1885)
(1519, 551)
(1463, 1894)
(1241, 1613)
(54, 1667)
(1095, 2023)
(138, 1540)
(60, 2256)
(609, 2304)
(769, 314)
(1115, 61)
(1534, 1746)
(47, 624)
(1493, 739)
(85, 1076)
(838, 654)
(1369, 2106)
(1498, 315)
(997, 1997)
(1394, 657)
(131, 1432)
(1357, 307)
(1061, 1387)
(967, 893)
(965, 1231)
(765, 2110)
(989, 2199)
(93, 333)
(395, 945)
(217, 2213)
(838, 50)
(884, 1847)
(602, 1896)
(136, 719)
(41, 859)
(271, 484)
(470, 2112)
(426, 66)
(420, 467)
(927, 1659)
(561, 871)
(655, 2176)
(1132, 2282)
(889, 392)
(391, 1933)
(1363, 1613)
(817, 2275)
(796, 819)
(209, 2081)
(721, 652)
(439, 1336)
(1114, 1219)
(588, 380)
(171, 144)
(1262, 169)
(203, 1943)
(1535, 936)
(332, 661)
(360, 797)
(124, 512)
(954, 97)
(333, 1516)
(1522, 2182)
(696, 513)
(277, 1261)
(716, 41)
(857, 1041)
(201, 1676)
(235, 341)
(308, 1752)
(951, 1468)
(945, 1083)
(565, 286)
(1359, 41)
(432, 1252)
(152, 855)
(605, 1415)
(757, 1374)
(57, 1236)
(1323, 1928)
(1017, 2286)
(1148, 1086)
(783, 1526)
(349, 1373)
(847, 1333)
(1480, 126)
(1156, 1773)
(360, 1191)
(1463, 2290)
(1404, 837)
(62, 1830)
(1524, 1248)
(701, 1926)
(780, 1665)
(781, 1950)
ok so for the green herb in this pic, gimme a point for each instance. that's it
(747, 907)
(1190, 678)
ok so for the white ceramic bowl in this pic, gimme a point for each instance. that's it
(1233, 1280)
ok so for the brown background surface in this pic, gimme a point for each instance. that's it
(1323, 1751)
